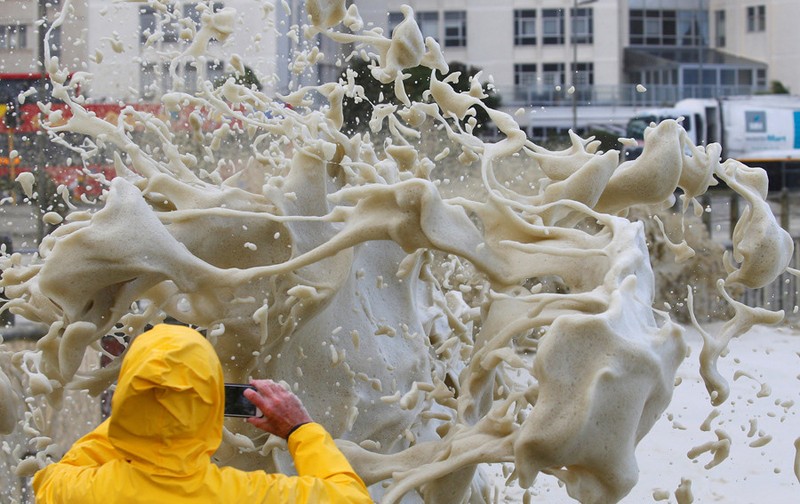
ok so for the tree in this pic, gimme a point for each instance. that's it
(356, 115)
(777, 87)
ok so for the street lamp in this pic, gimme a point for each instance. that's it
(576, 4)
(41, 137)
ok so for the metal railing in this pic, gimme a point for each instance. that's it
(625, 95)
(782, 294)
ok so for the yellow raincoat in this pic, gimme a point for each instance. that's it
(165, 424)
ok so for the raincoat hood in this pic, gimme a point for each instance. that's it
(167, 410)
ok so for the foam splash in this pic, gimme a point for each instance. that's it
(334, 262)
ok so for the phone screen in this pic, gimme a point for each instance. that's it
(236, 404)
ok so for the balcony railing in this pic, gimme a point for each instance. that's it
(624, 95)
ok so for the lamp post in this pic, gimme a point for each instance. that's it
(575, 5)
(41, 175)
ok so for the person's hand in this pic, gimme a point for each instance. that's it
(282, 410)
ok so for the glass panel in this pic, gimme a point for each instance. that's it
(745, 77)
(214, 72)
(429, 24)
(395, 18)
(525, 74)
(190, 11)
(455, 29)
(552, 26)
(147, 23)
(727, 77)
(190, 78)
(719, 28)
(582, 26)
(525, 27)
(553, 74)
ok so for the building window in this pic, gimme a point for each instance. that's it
(148, 81)
(55, 42)
(13, 37)
(525, 27)
(429, 24)
(761, 78)
(190, 78)
(745, 77)
(455, 28)
(395, 18)
(194, 15)
(659, 28)
(147, 23)
(552, 26)
(757, 18)
(692, 28)
(525, 75)
(582, 26)
(166, 78)
(169, 28)
(215, 72)
(154, 79)
(719, 28)
(553, 74)
(582, 73)
(647, 27)
(687, 28)
(190, 11)
(524, 81)
(727, 77)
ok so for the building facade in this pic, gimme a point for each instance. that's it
(601, 55)
(20, 35)
(134, 45)
(570, 63)
(534, 50)
(760, 30)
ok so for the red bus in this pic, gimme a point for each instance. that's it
(19, 131)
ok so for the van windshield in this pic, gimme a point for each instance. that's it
(636, 126)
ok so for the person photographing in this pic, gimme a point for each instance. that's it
(166, 423)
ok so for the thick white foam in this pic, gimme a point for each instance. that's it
(314, 264)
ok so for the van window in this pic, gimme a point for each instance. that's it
(687, 122)
(636, 126)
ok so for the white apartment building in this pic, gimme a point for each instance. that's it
(761, 30)
(535, 51)
(128, 46)
(527, 46)
(19, 35)
(112, 40)
(133, 45)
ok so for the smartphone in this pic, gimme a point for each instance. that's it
(236, 404)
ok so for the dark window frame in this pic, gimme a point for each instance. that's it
(455, 35)
(756, 18)
(555, 18)
(585, 15)
(13, 36)
(553, 69)
(522, 69)
(524, 18)
(424, 17)
(719, 28)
